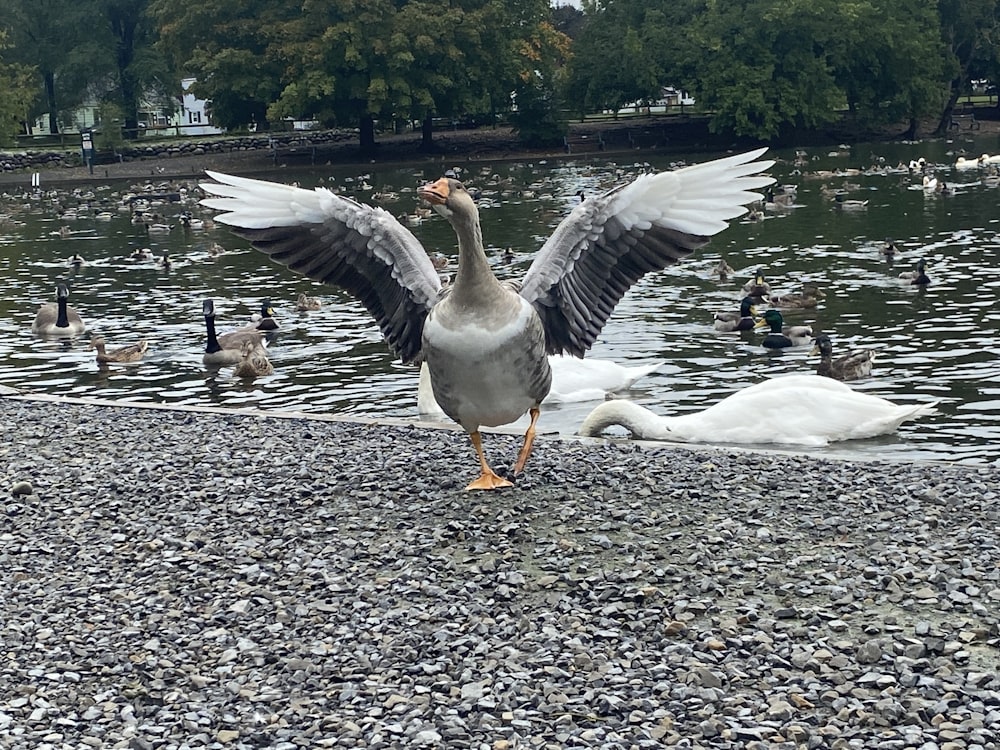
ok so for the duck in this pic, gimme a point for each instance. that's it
(855, 364)
(129, 353)
(486, 342)
(263, 320)
(757, 287)
(305, 303)
(58, 318)
(142, 254)
(850, 203)
(917, 277)
(76, 260)
(929, 182)
(191, 222)
(782, 338)
(573, 380)
(809, 297)
(803, 410)
(889, 249)
(743, 320)
(253, 361)
(723, 270)
(164, 262)
(226, 348)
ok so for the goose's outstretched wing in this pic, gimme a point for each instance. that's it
(609, 242)
(337, 241)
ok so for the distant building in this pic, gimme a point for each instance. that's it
(179, 115)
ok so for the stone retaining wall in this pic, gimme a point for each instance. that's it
(36, 160)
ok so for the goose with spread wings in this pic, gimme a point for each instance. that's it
(485, 341)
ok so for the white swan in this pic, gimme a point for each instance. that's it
(805, 410)
(573, 380)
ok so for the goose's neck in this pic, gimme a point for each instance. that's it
(474, 280)
(62, 317)
(213, 341)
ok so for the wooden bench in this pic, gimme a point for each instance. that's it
(580, 142)
(969, 118)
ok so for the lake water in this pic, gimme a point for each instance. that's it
(935, 344)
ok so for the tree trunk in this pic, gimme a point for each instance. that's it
(50, 98)
(367, 134)
(911, 131)
(944, 124)
(427, 133)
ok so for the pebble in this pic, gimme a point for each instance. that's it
(185, 579)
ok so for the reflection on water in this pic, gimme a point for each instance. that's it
(935, 344)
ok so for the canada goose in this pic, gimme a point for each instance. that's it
(58, 318)
(226, 348)
(485, 342)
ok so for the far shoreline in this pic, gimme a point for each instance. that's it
(636, 136)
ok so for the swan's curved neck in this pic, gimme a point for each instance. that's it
(641, 422)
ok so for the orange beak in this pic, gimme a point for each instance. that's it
(435, 192)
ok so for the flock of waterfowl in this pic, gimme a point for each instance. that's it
(491, 351)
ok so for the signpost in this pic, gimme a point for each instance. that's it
(87, 144)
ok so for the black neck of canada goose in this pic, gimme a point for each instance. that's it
(208, 310)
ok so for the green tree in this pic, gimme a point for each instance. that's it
(18, 82)
(55, 38)
(230, 48)
(971, 31)
(889, 72)
(140, 71)
(617, 56)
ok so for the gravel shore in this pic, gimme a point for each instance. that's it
(187, 579)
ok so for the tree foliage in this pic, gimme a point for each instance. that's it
(17, 83)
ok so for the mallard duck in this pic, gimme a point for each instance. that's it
(917, 277)
(485, 342)
(76, 260)
(253, 361)
(129, 353)
(573, 380)
(264, 320)
(226, 348)
(757, 287)
(781, 338)
(723, 270)
(58, 318)
(305, 303)
(164, 262)
(851, 366)
(737, 321)
(191, 222)
(889, 249)
(805, 410)
(142, 254)
(809, 297)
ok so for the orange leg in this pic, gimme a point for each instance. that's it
(487, 479)
(529, 441)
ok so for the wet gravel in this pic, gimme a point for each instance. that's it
(175, 579)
